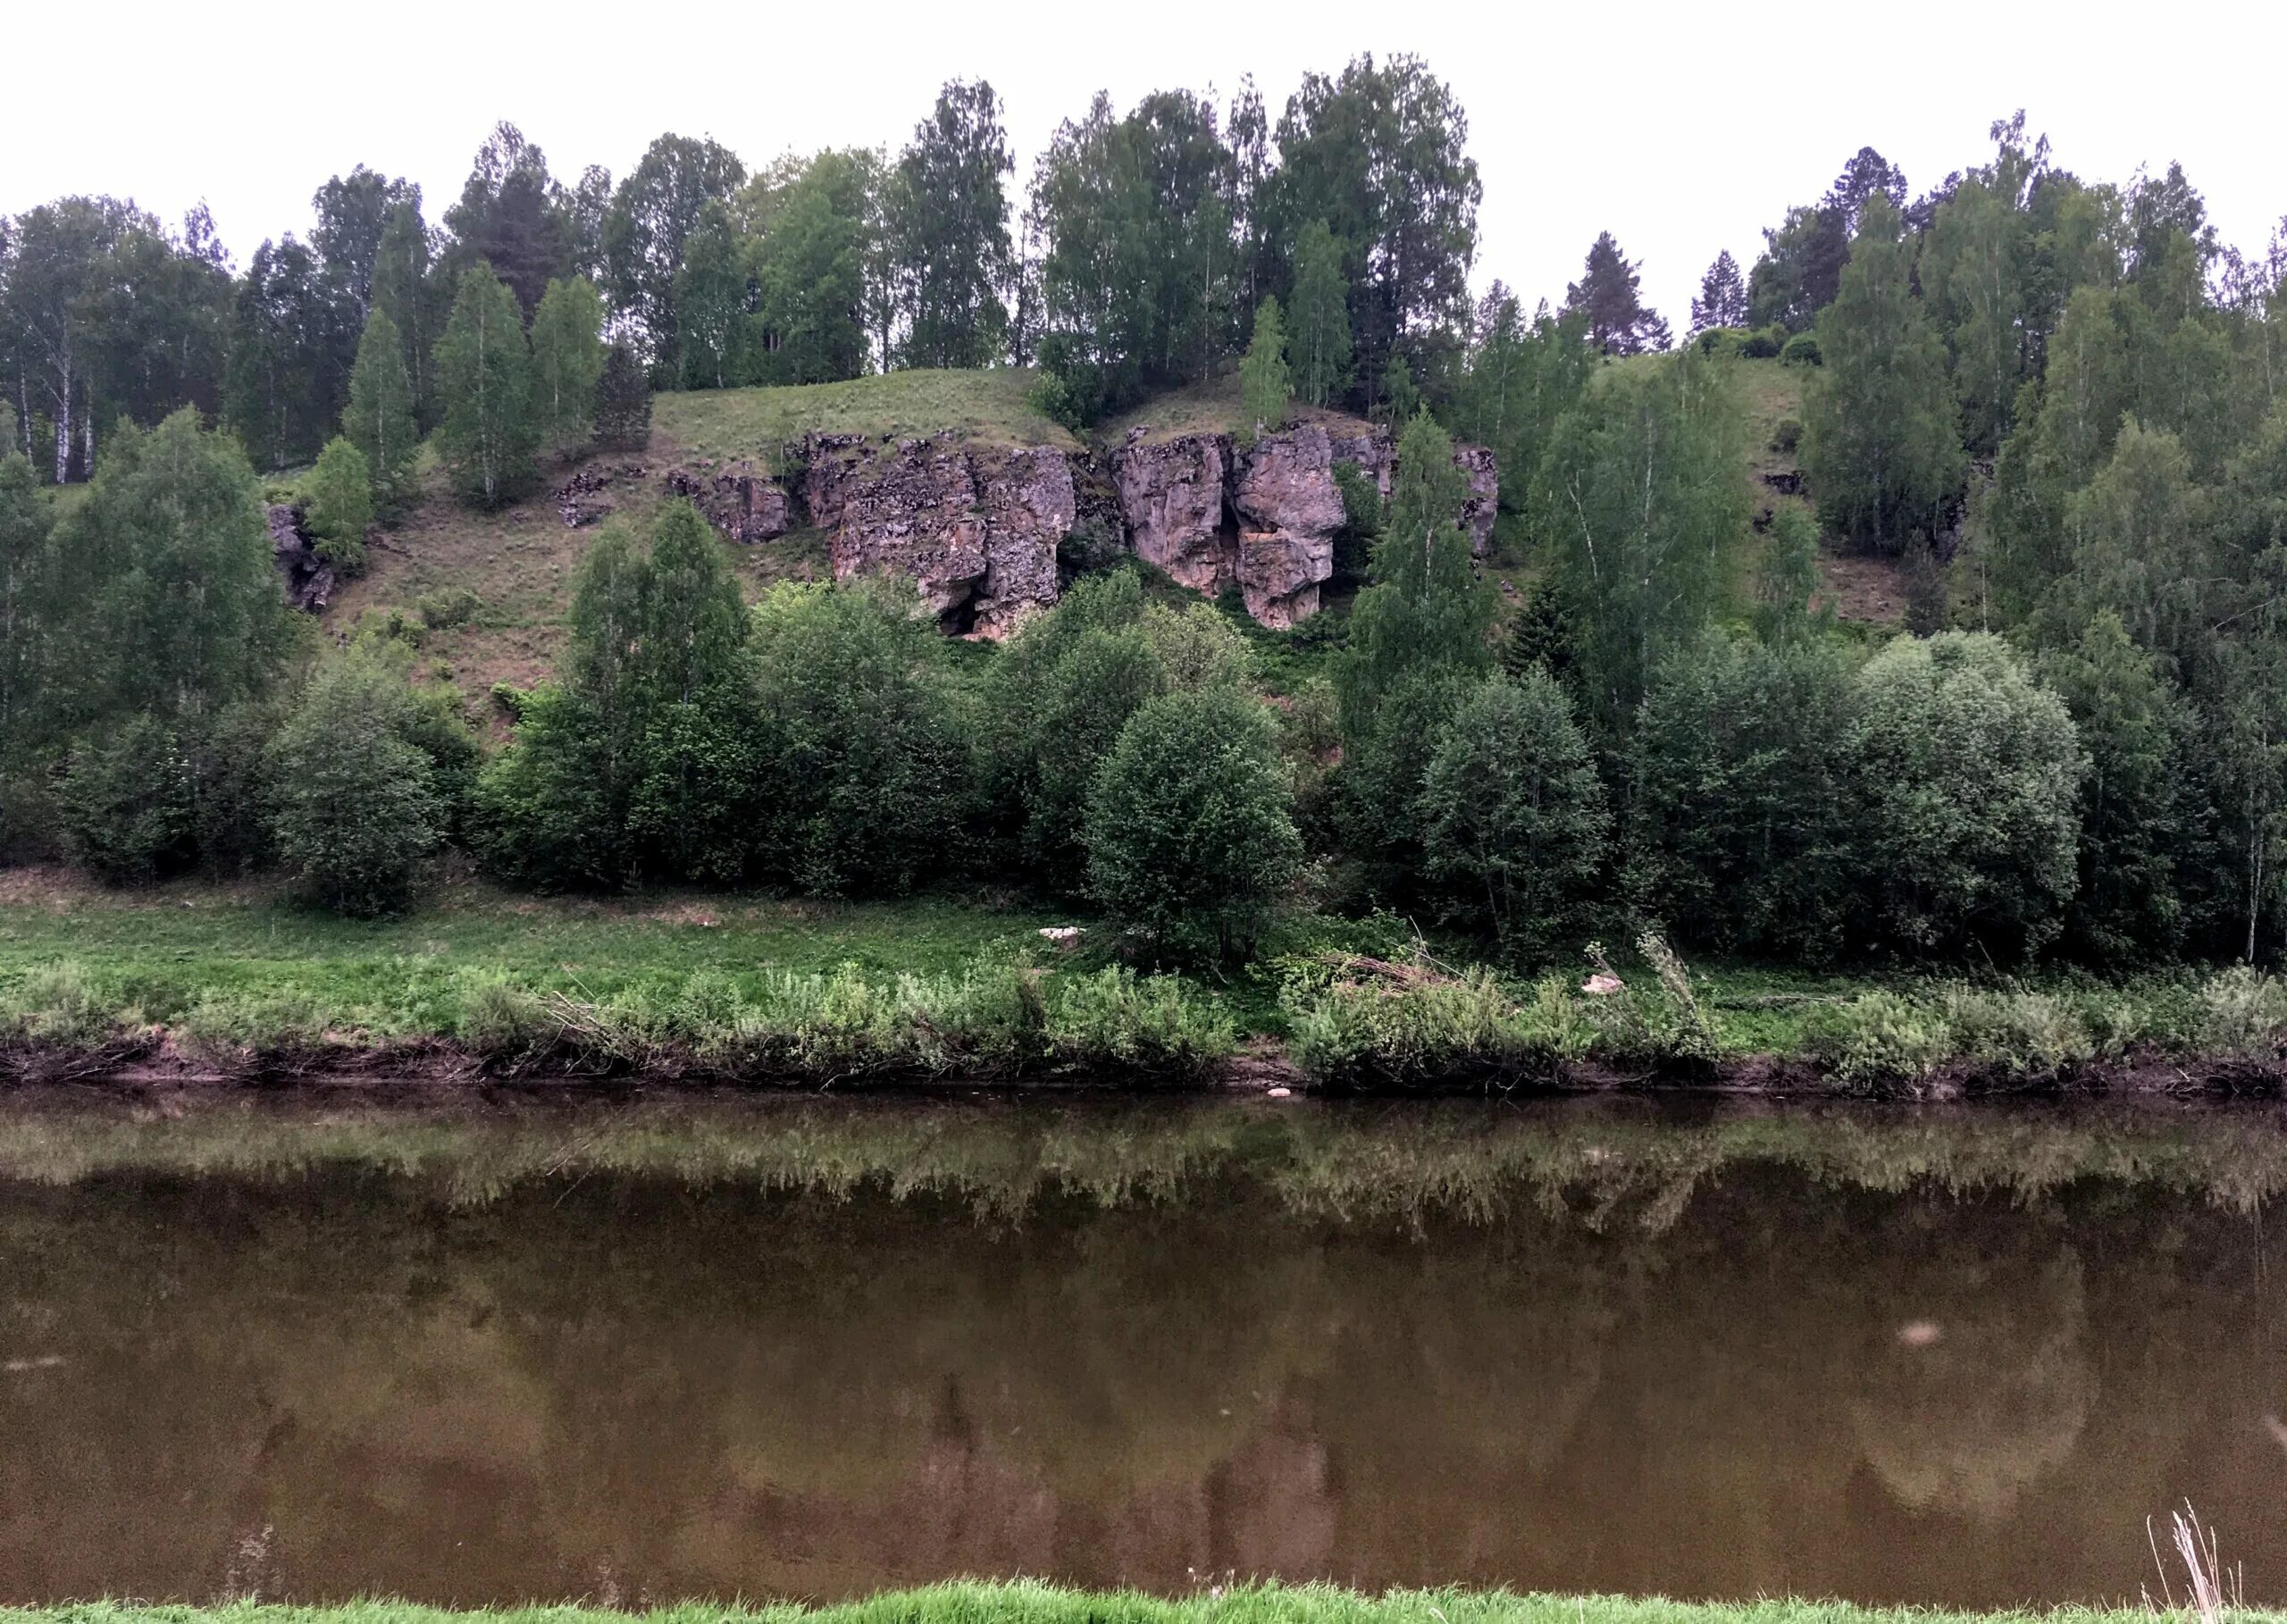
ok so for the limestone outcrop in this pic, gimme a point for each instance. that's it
(1289, 506)
(308, 579)
(975, 527)
(1172, 495)
(740, 501)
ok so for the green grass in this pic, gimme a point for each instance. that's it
(1211, 407)
(1028, 1601)
(989, 407)
(168, 947)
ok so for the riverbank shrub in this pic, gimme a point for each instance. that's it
(1148, 1022)
(1354, 1025)
(61, 1003)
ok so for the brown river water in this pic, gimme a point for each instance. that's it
(635, 1351)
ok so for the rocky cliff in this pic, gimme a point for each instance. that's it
(975, 527)
(978, 527)
(307, 579)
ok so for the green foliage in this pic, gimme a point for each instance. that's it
(1191, 842)
(341, 506)
(1763, 343)
(59, 1003)
(2136, 808)
(622, 402)
(1320, 346)
(1511, 812)
(1879, 440)
(1151, 1023)
(125, 803)
(1357, 1030)
(1606, 304)
(1266, 387)
(864, 749)
(568, 360)
(25, 615)
(946, 220)
(379, 420)
(1880, 1038)
(1802, 350)
(645, 234)
(1740, 831)
(1138, 283)
(1788, 578)
(1425, 610)
(810, 268)
(1970, 775)
(1641, 500)
(1520, 379)
(355, 803)
(162, 599)
(484, 383)
(645, 757)
(710, 298)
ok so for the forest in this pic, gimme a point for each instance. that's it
(2053, 401)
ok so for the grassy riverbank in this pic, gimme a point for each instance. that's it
(220, 981)
(1027, 1602)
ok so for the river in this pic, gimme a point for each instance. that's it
(634, 1350)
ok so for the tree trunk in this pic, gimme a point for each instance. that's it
(63, 423)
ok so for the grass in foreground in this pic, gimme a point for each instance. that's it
(1026, 1601)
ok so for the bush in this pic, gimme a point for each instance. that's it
(1190, 837)
(1148, 1022)
(341, 506)
(2243, 1014)
(58, 1004)
(1353, 1027)
(124, 803)
(356, 806)
(447, 608)
(1763, 343)
(1511, 810)
(2022, 1033)
(1801, 350)
(622, 402)
(1970, 776)
(253, 1023)
(1787, 436)
(1880, 1037)
(1722, 340)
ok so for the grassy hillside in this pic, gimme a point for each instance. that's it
(490, 591)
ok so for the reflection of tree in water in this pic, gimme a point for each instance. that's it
(1981, 1381)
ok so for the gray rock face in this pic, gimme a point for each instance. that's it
(1288, 507)
(743, 503)
(1171, 500)
(307, 579)
(976, 529)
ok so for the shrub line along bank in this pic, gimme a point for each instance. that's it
(1027, 1602)
(1343, 1023)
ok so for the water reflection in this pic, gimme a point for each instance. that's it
(1700, 1362)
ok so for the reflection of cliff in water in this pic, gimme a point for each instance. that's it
(658, 1388)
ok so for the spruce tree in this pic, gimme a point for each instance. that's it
(567, 362)
(1722, 299)
(1319, 319)
(380, 419)
(341, 504)
(484, 378)
(1880, 443)
(622, 402)
(1266, 387)
(1607, 300)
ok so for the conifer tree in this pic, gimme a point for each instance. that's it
(1880, 443)
(622, 402)
(484, 378)
(341, 504)
(1722, 298)
(1320, 316)
(380, 418)
(1607, 300)
(1266, 387)
(567, 362)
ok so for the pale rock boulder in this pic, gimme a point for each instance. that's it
(1172, 504)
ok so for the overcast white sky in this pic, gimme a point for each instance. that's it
(1682, 130)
